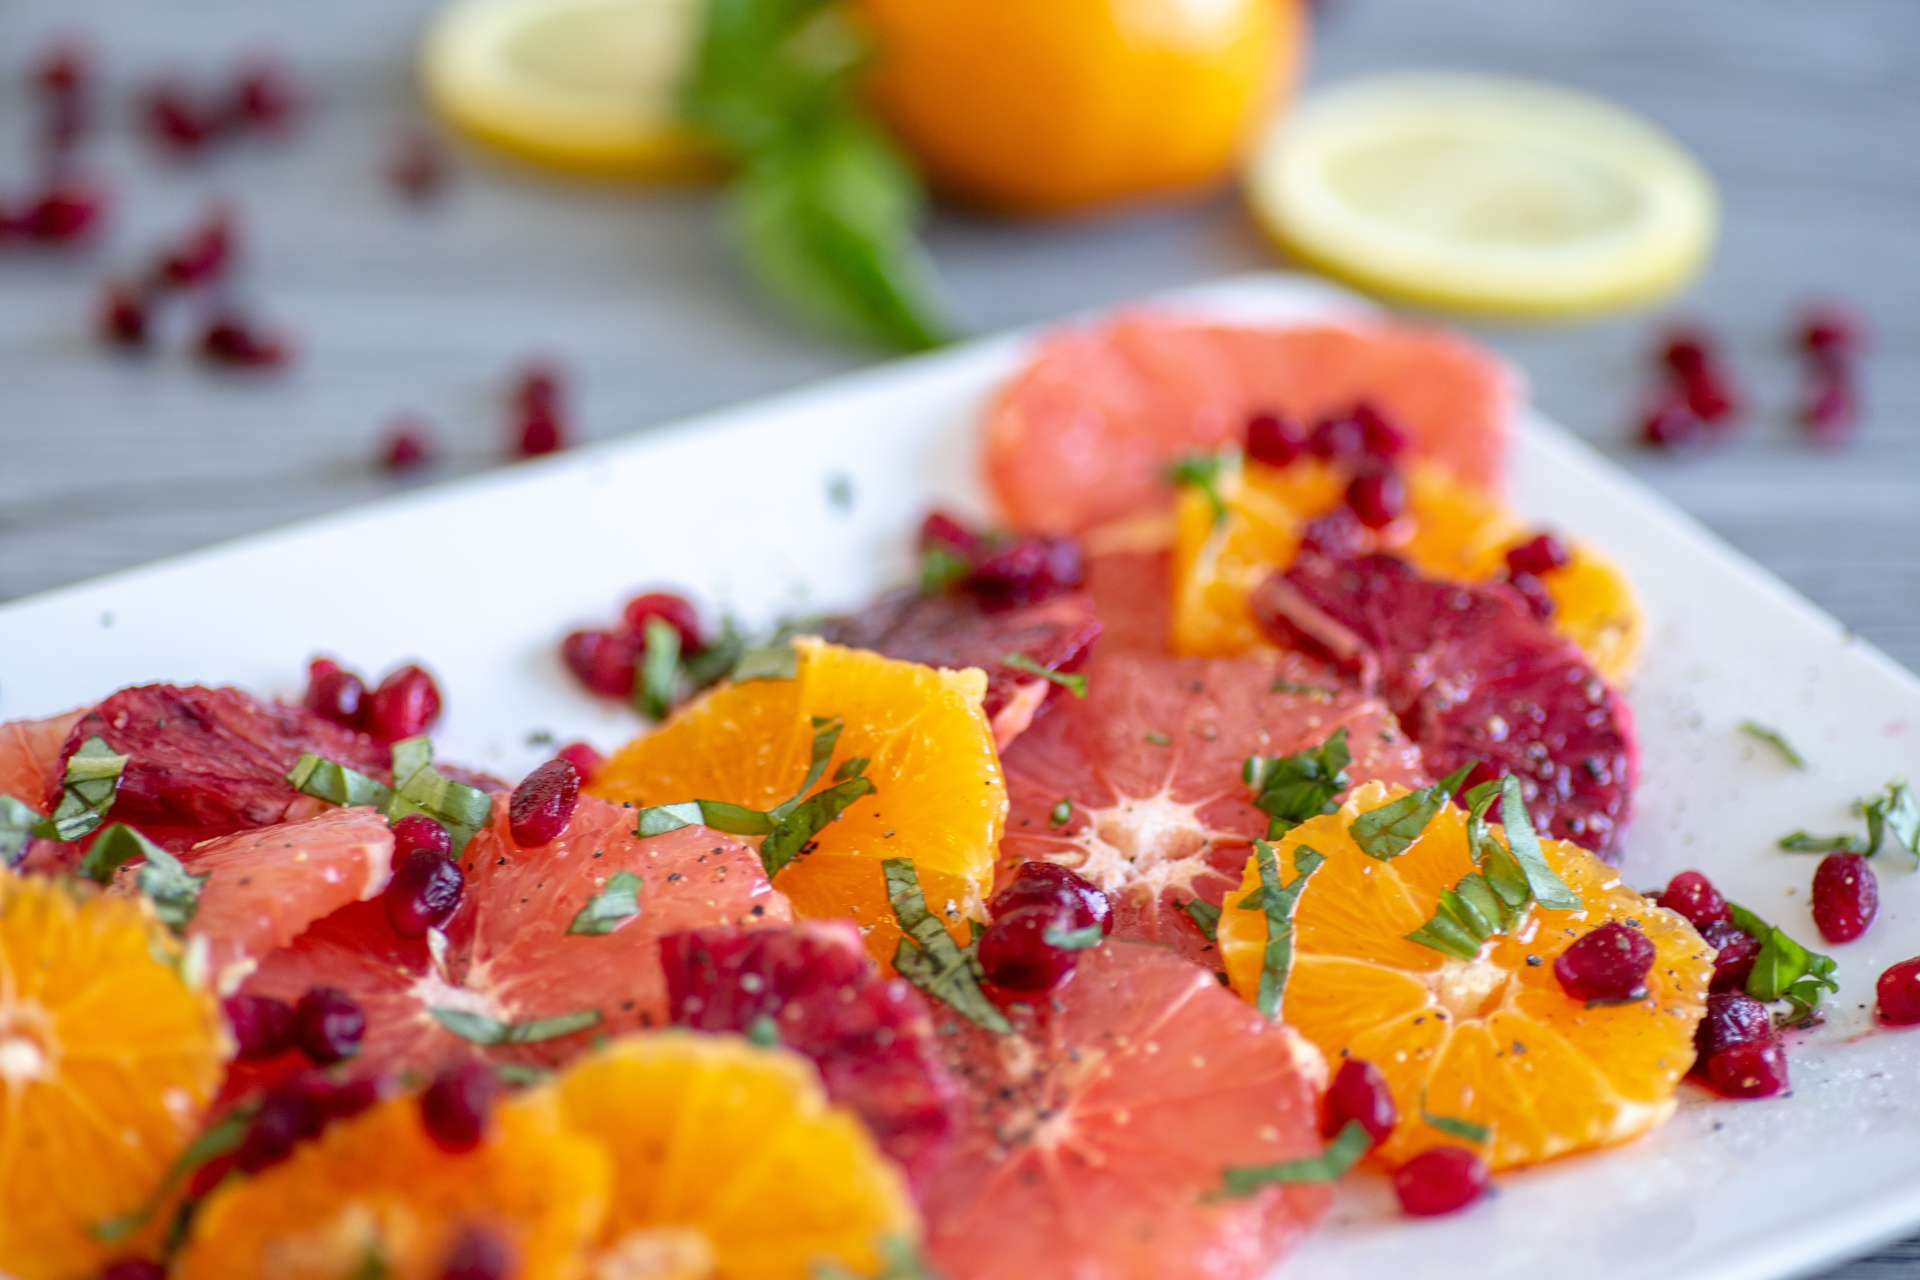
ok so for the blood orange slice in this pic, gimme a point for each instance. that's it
(30, 753)
(1083, 435)
(1097, 1137)
(1149, 765)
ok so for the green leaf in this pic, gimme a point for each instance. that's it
(1072, 681)
(173, 890)
(1893, 814)
(826, 735)
(1549, 890)
(736, 820)
(659, 675)
(1454, 1127)
(420, 788)
(1389, 831)
(1283, 685)
(1775, 739)
(1206, 915)
(1060, 814)
(851, 767)
(929, 958)
(477, 1028)
(790, 838)
(615, 904)
(1202, 471)
(942, 569)
(765, 1032)
(1344, 1152)
(217, 1140)
(1292, 789)
(1159, 739)
(1276, 960)
(87, 790)
(715, 662)
(1081, 939)
(778, 661)
(1805, 842)
(1783, 969)
(17, 822)
(322, 779)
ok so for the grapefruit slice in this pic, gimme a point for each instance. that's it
(30, 756)
(1473, 676)
(1484, 193)
(1084, 434)
(1096, 1138)
(1492, 1040)
(511, 956)
(1150, 767)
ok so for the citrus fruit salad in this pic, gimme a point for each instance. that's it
(1237, 815)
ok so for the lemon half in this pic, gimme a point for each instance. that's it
(1484, 194)
(586, 85)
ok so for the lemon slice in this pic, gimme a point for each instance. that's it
(1483, 194)
(586, 85)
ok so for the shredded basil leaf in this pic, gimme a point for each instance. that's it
(1159, 739)
(1893, 814)
(1283, 685)
(477, 1028)
(715, 662)
(1072, 681)
(1205, 915)
(851, 767)
(659, 675)
(765, 1032)
(87, 791)
(322, 779)
(777, 661)
(1389, 831)
(420, 788)
(218, 1140)
(1454, 1127)
(1276, 960)
(17, 822)
(902, 1261)
(615, 904)
(1081, 939)
(791, 837)
(1806, 842)
(1061, 813)
(1549, 890)
(1783, 969)
(1775, 739)
(942, 569)
(1494, 899)
(929, 958)
(1202, 471)
(1344, 1152)
(1292, 789)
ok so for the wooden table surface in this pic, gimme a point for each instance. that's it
(1807, 114)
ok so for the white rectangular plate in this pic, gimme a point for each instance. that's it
(481, 578)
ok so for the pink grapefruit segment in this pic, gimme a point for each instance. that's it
(30, 754)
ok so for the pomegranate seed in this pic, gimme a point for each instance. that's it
(1693, 896)
(1359, 1092)
(585, 758)
(1832, 410)
(1897, 994)
(345, 1101)
(1440, 1180)
(1378, 496)
(671, 609)
(133, 1269)
(941, 530)
(418, 831)
(543, 804)
(266, 96)
(1690, 354)
(1275, 439)
(409, 445)
(602, 661)
(290, 1112)
(1481, 773)
(1534, 594)
(1540, 554)
(230, 339)
(424, 893)
(1026, 571)
(1610, 963)
(1830, 330)
(540, 434)
(262, 1026)
(123, 316)
(1670, 423)
(328, 1025)
(539, 420)
(1846, 896)
(68, 211)
(334, 693)
(404, 704)
(538, 389)
(1380, 436)
(1734, 953)
(1732, 1017)
(1041, 883)
(177, 120)
(1753, 1069)
(1014, 953)
(417, 167)
(1337, 535)
(63, 80)
(204, 255)
(455, 1106)
(478, 1254)
(1338, 435)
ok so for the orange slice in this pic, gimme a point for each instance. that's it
(375, 1197)
(728, 1161)
(107, 1060)
(1449, 531)
(938, 795)
(1493, 1041)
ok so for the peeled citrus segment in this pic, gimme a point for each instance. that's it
(729, 1155)
(1484, 194)
(30, 756)
(373, 1196)
(938, 795)
(588, 85)
(1494, 1041)
(1097, 1137)
(107, 1061)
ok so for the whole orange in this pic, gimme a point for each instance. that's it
(1045, 105)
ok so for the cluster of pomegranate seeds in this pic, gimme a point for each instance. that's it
(328, 1025)
(203, 260)
(295, 1110)
(1041, 907)
(183, 119)
(455, 1108)
(66, 207)
(1440, 1180)
(1358, 1092)
(235, 340)
(1528, 562)
(1830, 339)
(1695, 398)
(1897, 994)
(1608, 965)
(479, 1254)
(1846, 896)
(405, 703)
(1363, 437)
(408, 445)
(1739, 1051)
(262, 1026)
(543, 804)
(1002, 572)
(606, 661)
(1693, 895)
(424, 893)
(538, 423)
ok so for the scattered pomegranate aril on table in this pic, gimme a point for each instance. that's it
(177, 119)
(262, 1026)
(543, 804)
(1358, 1092)
(204, 255)
(266, 96)
(409, 445)
(235, 342)
(1846, 896)
(124, 318)
(63, 83)
(1752, 1069)
(1831, 411)
(1830, 330)
(417, 167)
(1275, 439)
(1440, 1180)
(1692, 357)
(1610, 963)
(404, 704)
(424, 893)
(328, 1025)
(539, 417)
(1670, 423)
(67, 212)
(457, 1106)
(1897, 994)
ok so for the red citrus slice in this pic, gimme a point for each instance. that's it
(1473, 675)
(509, 957)
(1150, 763)
(1083, 434)
(30, 752)
(1096, 1140)
(1133, 599)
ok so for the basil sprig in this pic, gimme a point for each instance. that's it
(615, 904)
(1893, 813)
(1292, 789)
(1344, 1152)
(929, 958)
(1512, 875)
(173, 890)
(1783, 969)
(1389, 831)
(1775, 739)
(1279, 903)
(417, 788)
(1071, 681)
(1205, 916)
(1202, 471)
(478, 1028)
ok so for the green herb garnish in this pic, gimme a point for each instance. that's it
(1344, 1152)
(1202, 471)
(87, 790)
(1205, 915)
(1081, 939)
(929, 958)
(1292, 789)
(1389, 831)
(1284, 685)
(174, 892)
(717, 661)
(1159, 739)
(1893, 814)
(1806, 842)
(1511, 875)
(659, 674)
(478, 1028)
(218, 1140)
(1775, 739)
(1783, 969)
(776, 661)
(941, 569)
(1072, 681)
(765, 1032)
(1454, 1126)
(417, 788)
(18, 819)
(901, 1261)
(1060, 814)
(1276, 960)
(610, 908)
